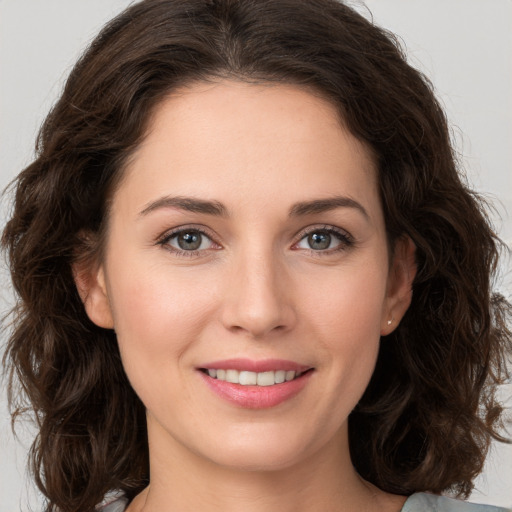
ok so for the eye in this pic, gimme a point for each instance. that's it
(325, 239)
(188, 241)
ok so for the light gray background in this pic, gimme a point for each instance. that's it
(464, 46)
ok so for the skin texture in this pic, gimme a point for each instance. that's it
(255, 289)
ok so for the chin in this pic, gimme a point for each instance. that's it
(264, 451)
(251, 461)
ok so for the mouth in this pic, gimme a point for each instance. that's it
(255, 384)
(248, 378)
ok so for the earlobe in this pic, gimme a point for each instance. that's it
(399, 289)
(92, 289)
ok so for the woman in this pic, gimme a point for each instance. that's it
(249, 274)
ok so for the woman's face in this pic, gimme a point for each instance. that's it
(246, 243)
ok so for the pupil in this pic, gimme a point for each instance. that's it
(189, 241)
(319, 241)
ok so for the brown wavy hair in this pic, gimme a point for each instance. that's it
(429, 413)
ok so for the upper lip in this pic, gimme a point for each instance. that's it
(251, 365)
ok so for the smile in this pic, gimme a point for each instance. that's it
(255, 384)
(247, 378)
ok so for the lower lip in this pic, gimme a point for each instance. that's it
(256, 397)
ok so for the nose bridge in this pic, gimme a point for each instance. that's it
(257, 302)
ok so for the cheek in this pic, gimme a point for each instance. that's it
(158, 317)
(349, 302)
(346, 318)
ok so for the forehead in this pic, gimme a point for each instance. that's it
(237, 139)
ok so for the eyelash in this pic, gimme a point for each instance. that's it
(169, 235)
(346, 241)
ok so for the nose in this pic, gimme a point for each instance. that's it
(258, 296)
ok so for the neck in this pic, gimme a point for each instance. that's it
(183, 481)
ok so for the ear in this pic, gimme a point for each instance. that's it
(91, 286)
(399, 288)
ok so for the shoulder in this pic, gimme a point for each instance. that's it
(114, 501)
(423, 502)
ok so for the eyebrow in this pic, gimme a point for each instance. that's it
(189, 204)
(325, 205)
(216, 208)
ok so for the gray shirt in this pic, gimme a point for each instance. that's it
(423, 502)
(419, 502)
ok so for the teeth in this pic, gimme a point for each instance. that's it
(266, 379)
(290, 376)
(248, 378)
(280, 376)
(252, 378)
(232, 376)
